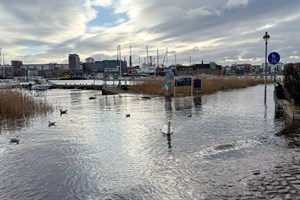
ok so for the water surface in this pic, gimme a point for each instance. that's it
(96, 152)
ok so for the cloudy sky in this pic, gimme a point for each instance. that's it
(224, 31)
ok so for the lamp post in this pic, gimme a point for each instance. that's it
(266, 37)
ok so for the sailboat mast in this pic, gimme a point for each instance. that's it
(147, 55)
(120, 61)
(167, 57)
(156, 57)
(130, 61)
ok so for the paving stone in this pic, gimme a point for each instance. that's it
(286, 175)
(271, 192)
(270, 187)
(287, 197)
(297, 187)
(284, 183)
(283, 191)
(287, 187)
(295, 182)
(290, 178)
(279, 187)
(277, 198)
(275, 183)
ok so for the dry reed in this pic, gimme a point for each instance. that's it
(210, 84)
(15, 104)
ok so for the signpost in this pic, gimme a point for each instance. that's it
(180, 82)
(273, 58)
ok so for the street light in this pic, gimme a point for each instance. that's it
(266, 37)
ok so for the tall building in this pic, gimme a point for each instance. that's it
(16, 67)
(74, 62)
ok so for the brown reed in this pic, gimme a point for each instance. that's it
(15, 104)
(210, 84)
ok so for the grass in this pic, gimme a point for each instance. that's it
(210, 84)
(15, 105)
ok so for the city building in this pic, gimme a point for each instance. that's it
(5, 71)
(16, 67)
(50, 70)
(89, 60)
(74, 63)
(107, 67)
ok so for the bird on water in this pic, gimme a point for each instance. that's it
(51, 124)
(63, 111)
(167, 128)
(14, 140)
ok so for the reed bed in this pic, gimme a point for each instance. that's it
(15, 104)
(150, 85)
(210, 84)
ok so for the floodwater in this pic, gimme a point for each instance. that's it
(96, 152)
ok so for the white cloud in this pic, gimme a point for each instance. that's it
(236, 3)
(202, 11)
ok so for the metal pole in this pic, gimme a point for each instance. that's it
(266, 65)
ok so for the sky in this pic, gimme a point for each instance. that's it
(191, 31)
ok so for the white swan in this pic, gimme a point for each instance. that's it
(167, 128)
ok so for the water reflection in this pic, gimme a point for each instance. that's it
(168, 107)
(197, 101)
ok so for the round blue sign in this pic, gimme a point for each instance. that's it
(273, 58)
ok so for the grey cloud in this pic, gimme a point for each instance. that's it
(209, 30)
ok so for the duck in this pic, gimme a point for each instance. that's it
(51, 124)
(14, 140)
(63, 111)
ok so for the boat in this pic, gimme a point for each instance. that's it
(8, 84)
(40, 85)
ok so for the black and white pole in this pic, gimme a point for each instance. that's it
(266, 37)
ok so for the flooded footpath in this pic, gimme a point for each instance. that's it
(227, 145)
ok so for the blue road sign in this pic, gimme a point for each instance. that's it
(273, 58)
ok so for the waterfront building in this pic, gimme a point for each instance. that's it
(16, 67)
(197, 69)
(49, 70)
(74, 63)
(5, 71)
(108, 67)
